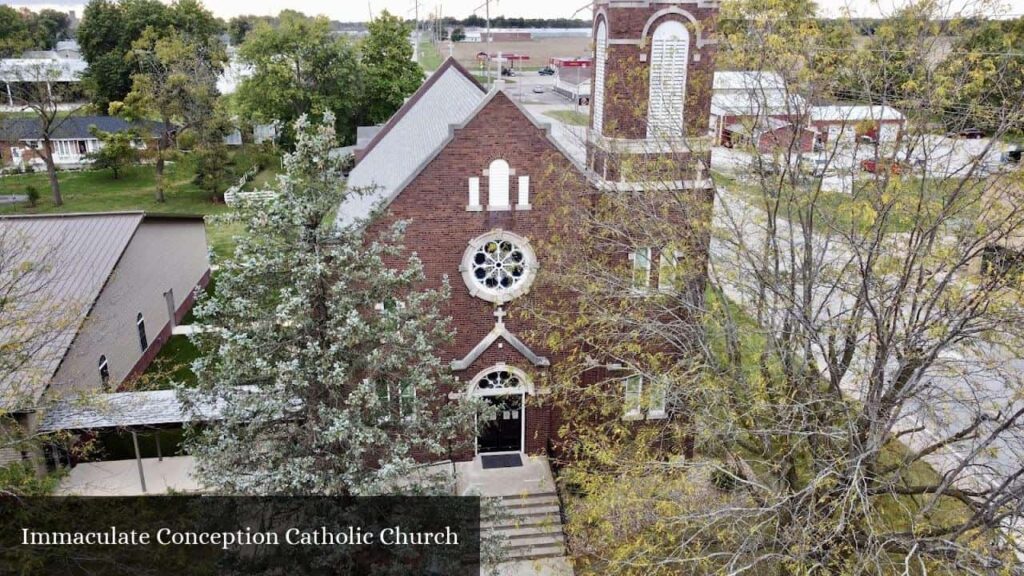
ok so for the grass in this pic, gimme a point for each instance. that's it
(570, 117)
(98, 191)
(430, 57)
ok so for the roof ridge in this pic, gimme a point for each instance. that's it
(450, 62)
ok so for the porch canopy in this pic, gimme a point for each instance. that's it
(122, 410)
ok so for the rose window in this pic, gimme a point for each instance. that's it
(498, 266)
(499, 379)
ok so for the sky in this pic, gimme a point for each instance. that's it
(359, 10)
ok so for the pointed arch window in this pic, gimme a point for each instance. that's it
(670, 46)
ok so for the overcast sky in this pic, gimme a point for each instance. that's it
(358, 10)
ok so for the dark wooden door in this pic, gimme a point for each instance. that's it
(503, 433)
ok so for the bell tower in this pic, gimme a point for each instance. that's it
(654, 64)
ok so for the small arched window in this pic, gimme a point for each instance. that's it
(497, 189)
(140, 325)
(600, 53)
(670, 45)
(104, 371)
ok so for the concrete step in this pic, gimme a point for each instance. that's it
(530, 531)
(539, 508)
(534, 541)
(523, 521)
(535, 552)
(529, 501)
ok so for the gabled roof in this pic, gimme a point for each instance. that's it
(77, 254)
(73, 127)
(420, 126)
(744, 80)
(419, 132)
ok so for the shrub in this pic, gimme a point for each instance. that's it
(32, 195)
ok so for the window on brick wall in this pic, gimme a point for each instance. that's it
(497, 184)
(670, 45)
(641, 258)
(474, 192)
(644, 398)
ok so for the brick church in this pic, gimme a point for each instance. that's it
(469, 168)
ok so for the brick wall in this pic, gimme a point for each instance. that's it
(440, 229)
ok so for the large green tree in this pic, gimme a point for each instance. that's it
(14, 34)
(391, 75)
(300, 67)
(321, 350)
(109, 28)
(176, 82)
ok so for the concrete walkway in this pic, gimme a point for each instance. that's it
(121, 477)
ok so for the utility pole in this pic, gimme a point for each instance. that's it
(487, 14)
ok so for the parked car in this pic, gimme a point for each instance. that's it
(1011, 156)
(538, 89)
(546, 71)
(508, 72)
(874, 166)
(968, 134)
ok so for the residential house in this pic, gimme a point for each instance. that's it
(753, 106)
(573, 78)
(471, 171)
(59, 77)
(844, 125)
(119, 281)
(21, 139)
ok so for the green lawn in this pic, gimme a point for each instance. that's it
(571, 117)
(430, 57)
(99, 191)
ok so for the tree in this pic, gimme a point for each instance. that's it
(239, 27)
(458, 34)
(177, 83)
(39, 91)
(47, 27)
(109, 29)
(30, 321)
(14, 35)
(321, 348)
(391, 75)
(117, 150)
(299, 68)
(989, 68)
(844, 384)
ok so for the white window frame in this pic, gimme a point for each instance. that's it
(668, 269)
(474, 195)
(634, 259)
(600, 55)
(499, 191)
(524, 193)
(669, 61)
(634, 395)
(493, 295)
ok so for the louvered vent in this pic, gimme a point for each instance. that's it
(669, 49)
(598, 103)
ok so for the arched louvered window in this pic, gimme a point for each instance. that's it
(670, 45)
(497, 184)
(601, 48)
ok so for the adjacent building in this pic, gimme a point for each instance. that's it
(72, 139)
(116, 282)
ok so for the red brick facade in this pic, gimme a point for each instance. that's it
(436, 200)
(440, 229)
(627, 75)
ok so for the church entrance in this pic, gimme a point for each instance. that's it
(504, 431)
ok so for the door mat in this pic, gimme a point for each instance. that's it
(501, 461)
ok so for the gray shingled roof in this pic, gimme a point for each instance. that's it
(121, 409)
(450, 96)
(73, 127)
(78, 252)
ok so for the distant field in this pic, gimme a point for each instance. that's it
(539, 51)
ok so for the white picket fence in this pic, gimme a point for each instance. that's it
(231, 197)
